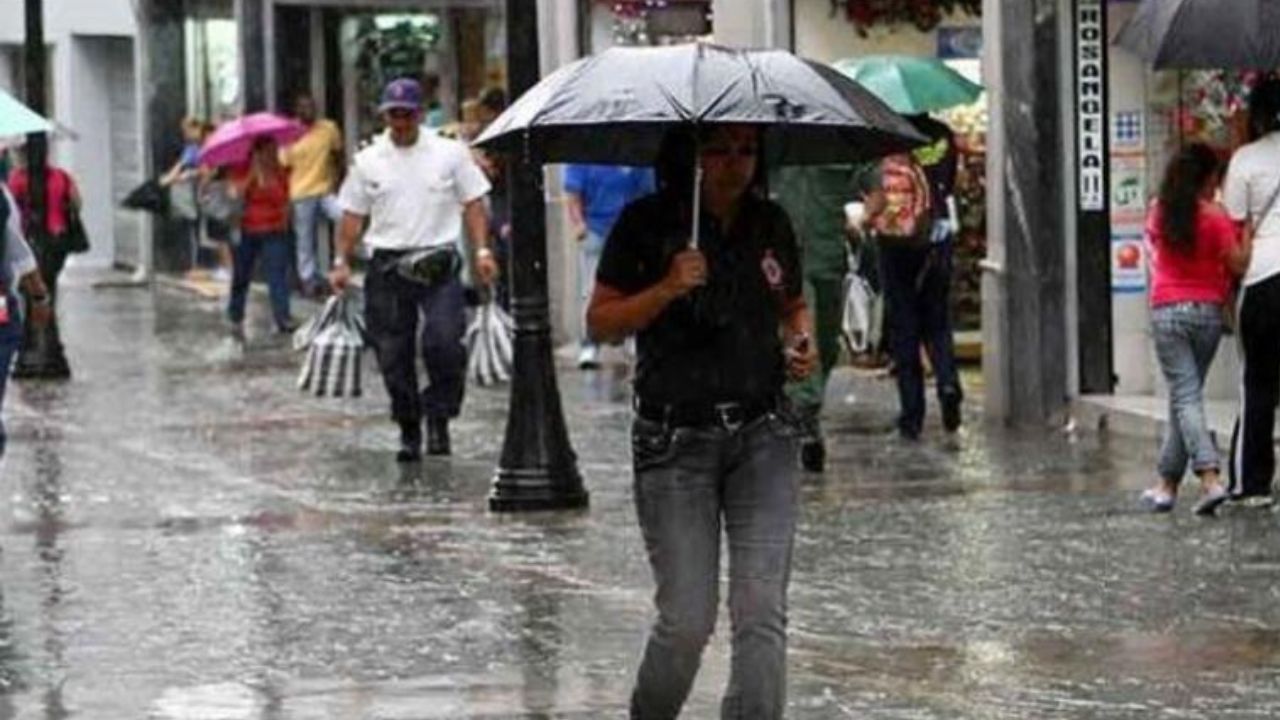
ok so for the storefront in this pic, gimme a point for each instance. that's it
(216, 59)
(1150, 114)
(829, 32)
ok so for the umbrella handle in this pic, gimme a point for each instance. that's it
(697, 203)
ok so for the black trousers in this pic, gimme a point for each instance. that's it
(402, 315)
(917, 290)
(1253, 455)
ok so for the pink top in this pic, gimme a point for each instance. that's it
(58, 189)
(1198, 276)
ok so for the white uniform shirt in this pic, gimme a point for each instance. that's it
(1252, 178)
(16, 250)
(413, 196)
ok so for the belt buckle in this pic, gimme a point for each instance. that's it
(726, 412)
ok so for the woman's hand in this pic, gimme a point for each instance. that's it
(802, 357)
(688, 270)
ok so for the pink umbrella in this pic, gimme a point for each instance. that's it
(233, 141)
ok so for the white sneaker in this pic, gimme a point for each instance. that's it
(589, 357)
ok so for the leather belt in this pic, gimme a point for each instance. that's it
(729, 415)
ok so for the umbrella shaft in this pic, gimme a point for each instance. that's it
(697, 202)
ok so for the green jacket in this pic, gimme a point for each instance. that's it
(814, 198)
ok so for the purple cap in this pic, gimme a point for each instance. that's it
(403, 94)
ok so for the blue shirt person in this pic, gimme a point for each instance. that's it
(596, 196)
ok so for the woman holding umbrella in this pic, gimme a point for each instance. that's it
(260, 185)
(263, 188)
(720, 328)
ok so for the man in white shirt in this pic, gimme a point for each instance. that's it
(418, 192)
(1253, 183)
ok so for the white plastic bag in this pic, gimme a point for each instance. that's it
(490, 349)
(334, 343)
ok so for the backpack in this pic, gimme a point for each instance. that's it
(908, 213)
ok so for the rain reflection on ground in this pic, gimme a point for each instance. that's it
(185, 536)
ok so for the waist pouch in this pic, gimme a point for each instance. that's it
(431, 266)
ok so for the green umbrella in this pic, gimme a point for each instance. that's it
(910, 85)
(18, 119)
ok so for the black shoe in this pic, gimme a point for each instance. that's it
(813, 455)
(951, 412)
(438, 436)
(287, 327)
(410, 443)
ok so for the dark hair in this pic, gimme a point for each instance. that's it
(1264, 107)
(1184, 181)
(494, 98)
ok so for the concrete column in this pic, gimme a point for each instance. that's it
(752, 23)
(558, 44)
(165, 103)
(252, 17)
(1024, 285)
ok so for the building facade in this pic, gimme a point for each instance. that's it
(94, 92)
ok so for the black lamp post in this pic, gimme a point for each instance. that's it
(538, 469)
(42, 355)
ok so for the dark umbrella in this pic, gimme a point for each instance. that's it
(616, 107)
(1211, 34)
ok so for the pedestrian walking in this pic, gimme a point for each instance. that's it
(18, 266)
(1195, 252)
(417, 191)
(814, 197)
(42, 354)
(314, 161)
(720, 327)
(595, 196)
(263, 189)
(906, 209)
(1251, 193)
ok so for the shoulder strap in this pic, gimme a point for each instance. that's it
(1266, 209)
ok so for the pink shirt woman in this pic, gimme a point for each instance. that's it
(1200, 273)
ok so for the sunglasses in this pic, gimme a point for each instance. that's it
(400, 114)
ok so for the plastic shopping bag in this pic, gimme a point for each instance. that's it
(334, 342)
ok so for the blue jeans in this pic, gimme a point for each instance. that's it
(10, 341)
(1186, 336)
(917, 290)
(588, 261)
(307, 214)
(274, 248)
(689, 483)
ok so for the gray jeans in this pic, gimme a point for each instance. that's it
(1187, 336)
(689, 482)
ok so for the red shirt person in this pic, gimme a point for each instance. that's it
(263, 187)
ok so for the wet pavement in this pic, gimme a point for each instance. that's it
(185, 536)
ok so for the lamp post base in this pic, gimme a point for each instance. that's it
(531, 490)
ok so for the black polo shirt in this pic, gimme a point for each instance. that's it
(721, 343)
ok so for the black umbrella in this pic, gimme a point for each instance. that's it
(615, 108)
(1210, 34)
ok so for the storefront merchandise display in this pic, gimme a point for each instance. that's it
(970, 126)
(925, 15)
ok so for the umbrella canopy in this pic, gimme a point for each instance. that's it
(616, 107)
(1209, 34)
(18, 119)
(911, 85)
(232, 142)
